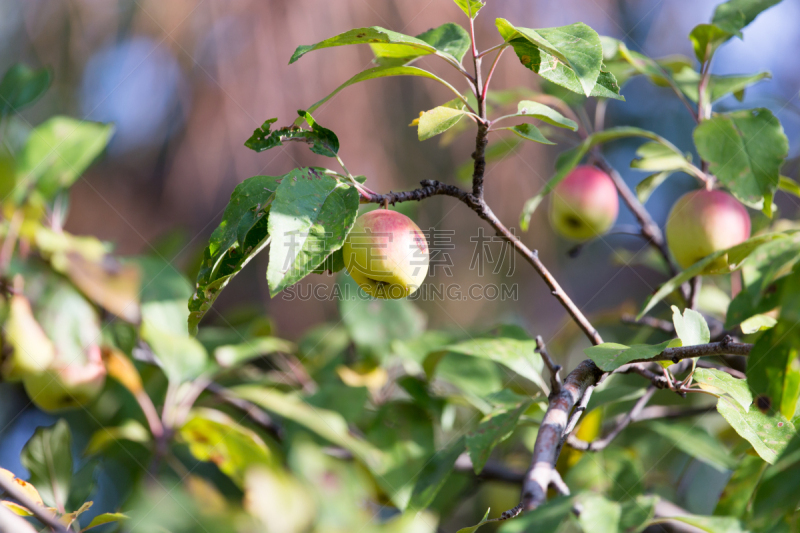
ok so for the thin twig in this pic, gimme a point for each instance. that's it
(46, 517)
(600, 444)
(491, 70)
(555, 376)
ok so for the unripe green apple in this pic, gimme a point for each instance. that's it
(386, 254)
(66, 385)
(584, 204)
(703, 222)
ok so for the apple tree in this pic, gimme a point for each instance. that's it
(376, 423)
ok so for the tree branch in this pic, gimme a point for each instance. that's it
(600, 444)
(541, 473)
(724, 347)
(555, 376)
(44, 516)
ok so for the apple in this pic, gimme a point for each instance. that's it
(703, 222)
(584, 204)
(67, 384)
(386, 254)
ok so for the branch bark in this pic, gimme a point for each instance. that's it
(542, 473)
(44, 516)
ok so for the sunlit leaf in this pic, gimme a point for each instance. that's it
(57, 153)
(769, 435)
(131, 430)
(309, 219)
(106, 518)
(214, 436)
(240, 236)
(745, 150)
(691, 327)
(440, 119)
(610, 356)
(470, 8)
(569, 55)
(720, 382)
(449, 38)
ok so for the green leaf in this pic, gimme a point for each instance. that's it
(710, 524)
(691, 328)
(48, 458)
(706, 38)
(773, 368)
(720, 382)
(571, 56)
(575, 50)
(695, 442)
(470, 9)
(164, 328)
(374, 35)
(384, 72)
(491, 431)
(434, 475)
(214, 436)
(57, 153)
(547, 518)
(517, 354)
(569, 159)
(106, 518)
(740, 488)
(721, 86)
(778, 491)
(374, 324)
(768, 434)
(440, 119)
(647, 186)
(733, 15)
(485, 519)
(529, 132)
(321, 140)
(449, 38)
(654, 156)
(22, 86)
(637, 513)
(757, 323)
(610, 356)
(240, 236)
(309, 219)
(745, 150)
(599, 515)
(761, 273)
(130, 430)
(233, 355)
(529, 108)
(735, 256)
(327, 424)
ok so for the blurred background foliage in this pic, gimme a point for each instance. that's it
(184, 83)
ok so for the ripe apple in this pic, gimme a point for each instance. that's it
(386, 254)
(702, 222)
(584, 204)
(67, 384)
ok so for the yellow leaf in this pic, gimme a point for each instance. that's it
(372, 379)
(121, 368)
